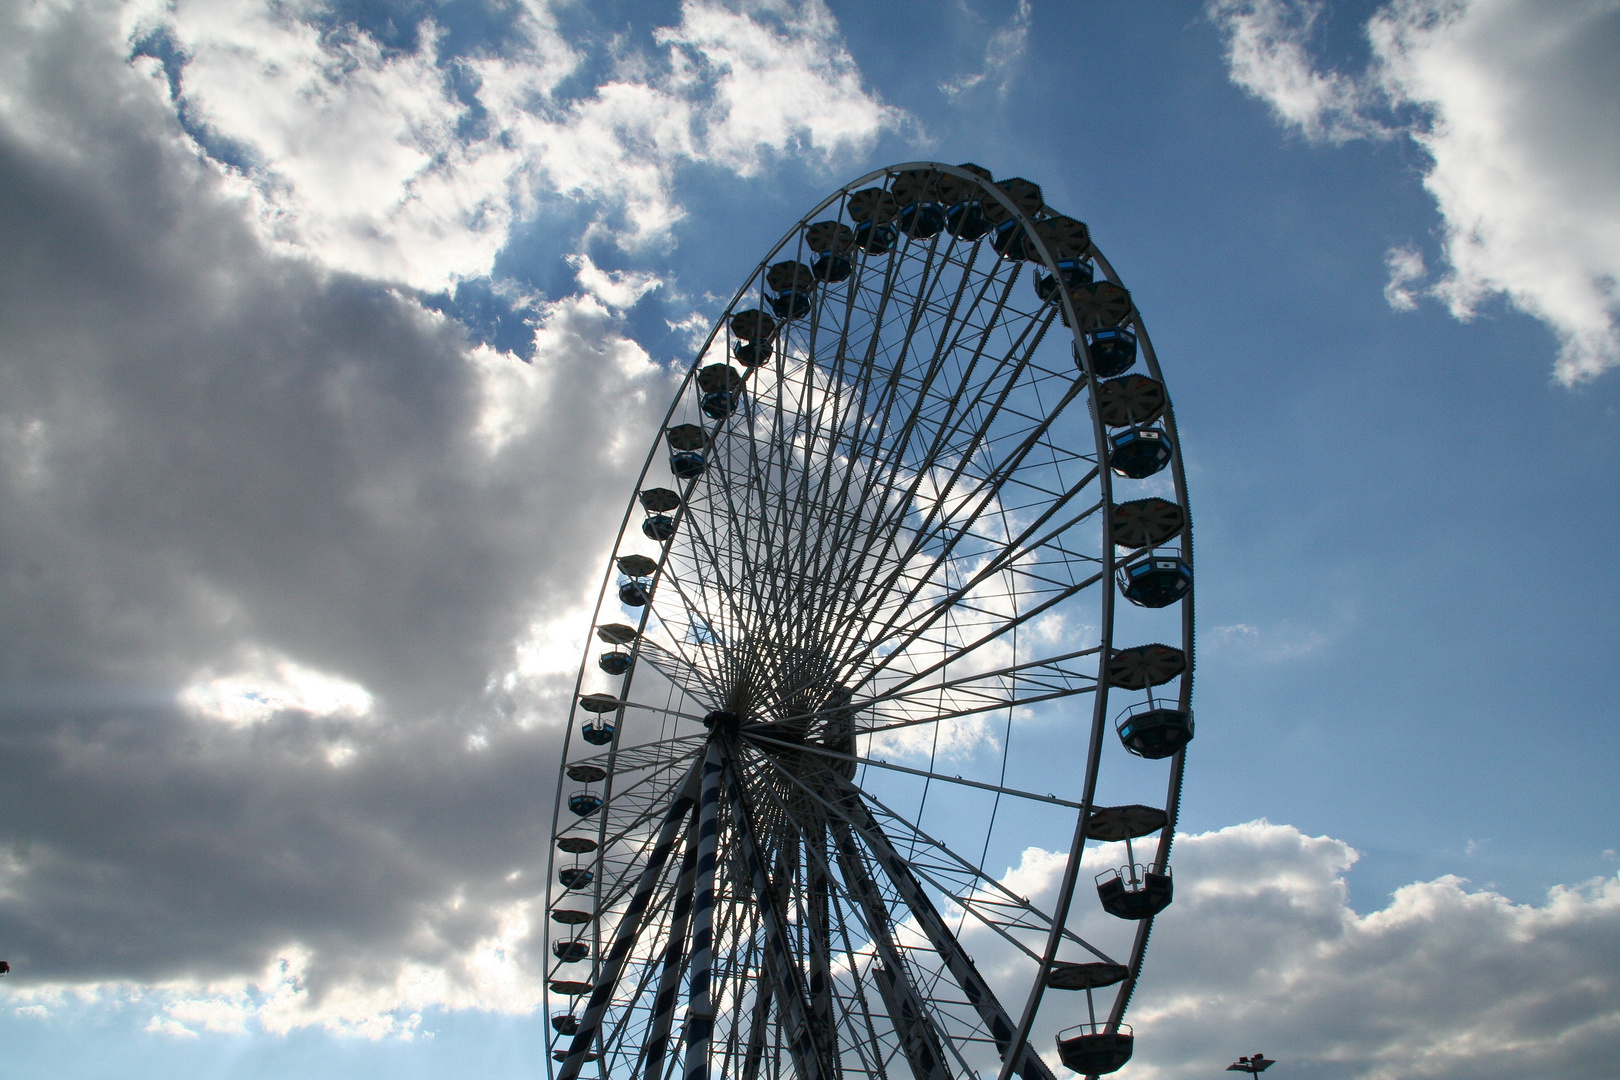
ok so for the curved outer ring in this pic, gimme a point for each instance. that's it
(1099, 722)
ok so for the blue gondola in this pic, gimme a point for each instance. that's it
(832, 268)
(1009, 240)
(688, 464)
(1113, 350)
(922, 220)
(1154, 731)
(571, 952)
(875, 239)
(1155, 580)
(660, 527)
(967, 221)
(575, 877)
(634, 593)
(792, 304)
(719, 404)
(752, 353)
(1075, 272)
(1140, 452)
(584, 802)
(597, 734)
(614, 663)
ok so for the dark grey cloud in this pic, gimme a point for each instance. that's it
(215, 458)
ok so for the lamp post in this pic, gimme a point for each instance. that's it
(1254, 1066)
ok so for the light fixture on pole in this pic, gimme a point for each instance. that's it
(1254, 1066)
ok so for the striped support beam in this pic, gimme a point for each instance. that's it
(624, 937)
(792, 1011)
(669, 978)
(961, 966)
(700, 1004)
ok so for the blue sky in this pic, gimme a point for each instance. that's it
(334, 333)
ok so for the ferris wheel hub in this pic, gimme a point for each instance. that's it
(723, 720)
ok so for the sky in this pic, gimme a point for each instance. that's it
(332, 337)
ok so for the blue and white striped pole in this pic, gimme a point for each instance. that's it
(700, 1002)
(669, 978)
(794, 1014)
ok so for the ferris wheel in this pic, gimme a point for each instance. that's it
(861, 650)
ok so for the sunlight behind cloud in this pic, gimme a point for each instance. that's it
(270, 686)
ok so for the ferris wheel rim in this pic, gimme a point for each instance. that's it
(1108, 548)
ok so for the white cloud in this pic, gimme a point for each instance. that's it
(491, 972)
(777, 79)
(729, 88)
(1406, 269)
(1261, 950)
(1277, 644)
(1511, 101)
(1267, 51)
(621, 289)
(694, 328)
(1002, 54)
(369, 160)
(356, 153)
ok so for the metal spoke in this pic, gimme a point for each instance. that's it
(806, 748)
(996, 896)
